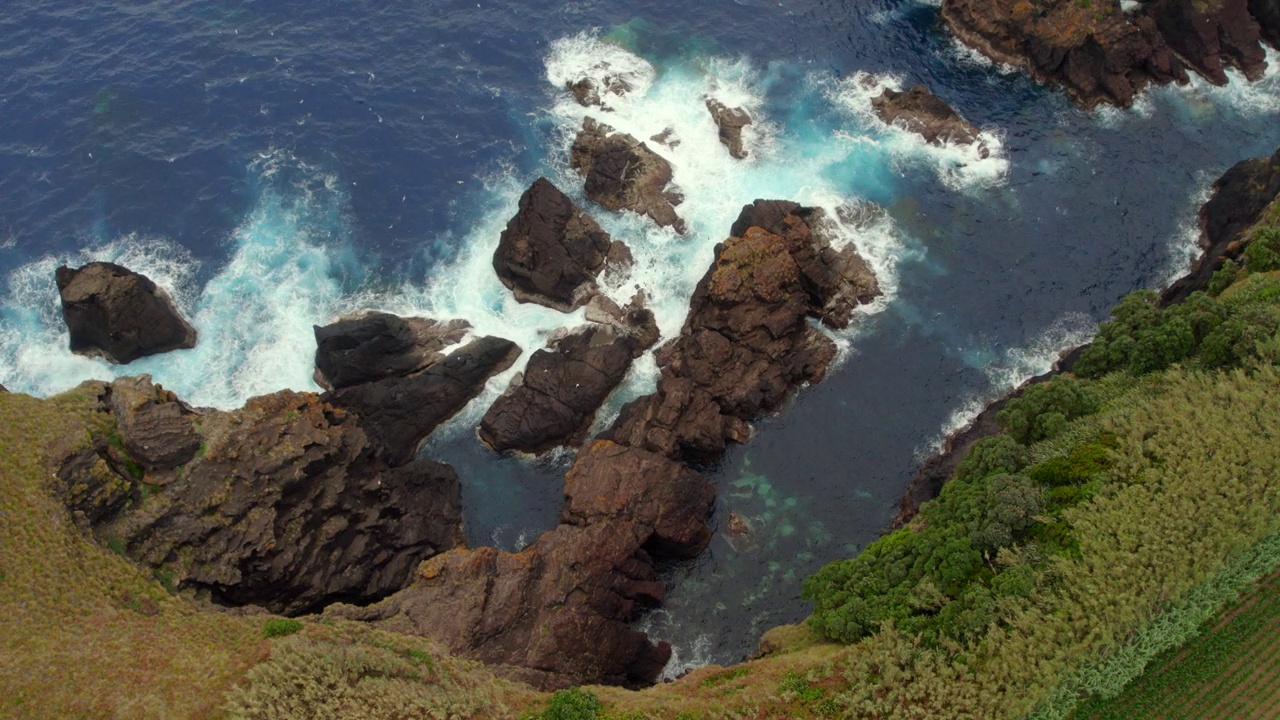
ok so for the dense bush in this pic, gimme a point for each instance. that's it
(572, 704)
(1264, 252)
(1044, 409)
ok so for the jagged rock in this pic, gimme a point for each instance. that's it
(919, 111)
(156, 428)
(635, 320)
(3, 389)
(622, 173)
(560, 391)
(1267, 14)
(594, 91)
(730, 121)
(283, 504)
(119, 315)
(667, 138)
(1100, 54)
(557, 613)
(551, 252)
(679, 420)
(399, 413)
(1211, 36)
(1238, 200)
(377, 345)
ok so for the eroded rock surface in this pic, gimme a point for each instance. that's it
(399, 413)
(555, 400)
(919, 111)
(622, 173)
(558, 613)
(377, 345)
(730, 121)
(284, 503)
(551, 252)
(1099, 53)
(119, 315)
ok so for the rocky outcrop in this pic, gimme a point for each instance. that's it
(156, 428)
(558, 613)
(398, 413)
(1099, 53)
(284, 503)
(730, 121)
(119, 315)
(376, 345)
(1237, 202)
(555, 400)
(551, 252)
(1267, 13)
(622, 173)
(600, 82)
(919, 111)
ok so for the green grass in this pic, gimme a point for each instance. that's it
(1231, 670)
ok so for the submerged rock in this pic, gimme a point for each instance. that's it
(919, 111)
(551, 252)
(119, 315)
(399, 413)
(622, 173)
(601, 81)
(377, 345)
(730, 121)
(284, 503)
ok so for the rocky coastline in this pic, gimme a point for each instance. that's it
(1239, 199)
(1108, 51)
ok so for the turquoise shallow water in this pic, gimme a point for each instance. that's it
(277, 164)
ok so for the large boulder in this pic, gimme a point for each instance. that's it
(555, 400)
(284, 503)
(551, 252)
(919, 111)
(398, 413)
(622, 173)
(730, 122)
(119, 315)
(376, 345)
(156, 428)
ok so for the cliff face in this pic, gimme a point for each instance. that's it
(1099, 53)
(1240, 199)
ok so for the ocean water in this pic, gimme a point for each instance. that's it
(277, 164)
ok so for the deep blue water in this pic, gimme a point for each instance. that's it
(277, 164)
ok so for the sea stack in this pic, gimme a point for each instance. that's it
(118, 314)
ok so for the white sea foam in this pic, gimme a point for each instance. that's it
(960, 167)
(1184, 247)
(1200, 102)
(1007, 368)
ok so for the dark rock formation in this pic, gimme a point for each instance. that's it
(555, 400)
(376, 345)
(3, 389)
(730, 121)
(156, 429)
(919, 111)
(1238, 200)
(1100, 54)
(1267, 13)
(551, 252)
(1211, 36)
(590, 91)
(557, 613)
(399, 413)
(119, 315)
(622, 173)
(284, 503)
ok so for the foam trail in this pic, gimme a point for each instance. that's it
(1008, 369)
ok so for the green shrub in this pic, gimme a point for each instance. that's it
(1044, 409)
(1263, 254)
(992, 454)
(281, 627)
(572, 704)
